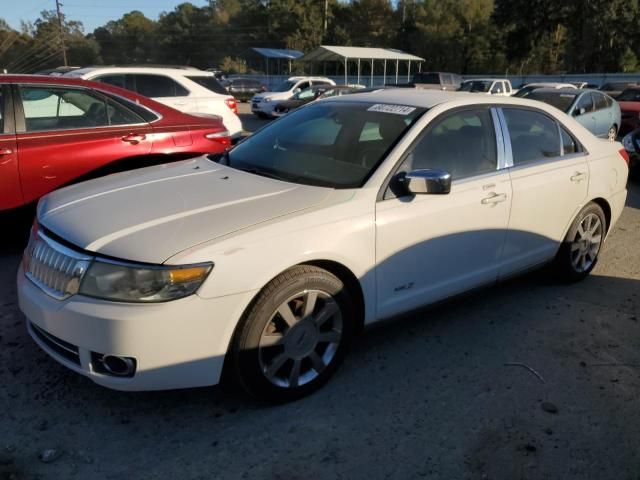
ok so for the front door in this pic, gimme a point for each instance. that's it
(67, 132)
(429, 247)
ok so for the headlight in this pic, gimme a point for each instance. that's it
(627, 143)
(141, 283)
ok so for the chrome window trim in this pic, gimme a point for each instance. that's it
(508, 152)
(100, 92)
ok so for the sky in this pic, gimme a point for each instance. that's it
(92, 13)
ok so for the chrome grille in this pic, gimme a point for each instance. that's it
(56, 269)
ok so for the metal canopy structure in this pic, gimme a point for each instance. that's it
(276, 54)
(328, 53)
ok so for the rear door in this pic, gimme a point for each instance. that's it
(164, 89)
(549, 177)
(65, 132)
(10, 189)
(583, 113)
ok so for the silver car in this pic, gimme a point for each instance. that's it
(596, 111)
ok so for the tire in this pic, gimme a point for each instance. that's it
(279, 354)
(578, 254)
(612, 133)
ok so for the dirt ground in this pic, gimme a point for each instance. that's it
(527, 380)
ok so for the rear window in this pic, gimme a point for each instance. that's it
(430, 78)
(158, 86)
(136, 108)
(562, 101)
(210, 83)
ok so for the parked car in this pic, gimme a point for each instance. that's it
(57, 72)
(186, 89)
(311, 94)
(432, 81)
(348, 211)
(56, 131)
(243, 89)
(613, 89)
(263, 104)
(597, 112)
(524, 91)
(631, 143)
(629, 102)
(490, 86)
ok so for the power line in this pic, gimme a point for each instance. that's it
(37, 58)
(64, 49)
(31, 50)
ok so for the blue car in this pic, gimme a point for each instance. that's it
(596, 111)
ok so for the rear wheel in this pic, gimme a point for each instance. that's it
(579, 252)
(294, 336)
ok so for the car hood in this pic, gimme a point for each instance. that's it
(629, 106)
(149, 215)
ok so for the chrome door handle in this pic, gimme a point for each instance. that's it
(494, 198)
(578, 177)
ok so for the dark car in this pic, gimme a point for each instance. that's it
(613, 89)
(243, 89)
(311, 94)
(631, 143)
(55, 131)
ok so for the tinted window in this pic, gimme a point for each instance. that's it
(534, 136)
(158, 86)
(53, 108)
(115, 80)
(497, 88)
(119, 115)
(569, 145)
(599, 101)
(562, 101)
(630, 95)
(475, 86)
(326, 143)
(139, 110)
(462, 143)
(303, 85)
(586, 103)
(210, 83)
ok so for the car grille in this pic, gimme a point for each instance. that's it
(54, 268)
(60, 347)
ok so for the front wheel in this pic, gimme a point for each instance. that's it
(294, 336)
(579, 252)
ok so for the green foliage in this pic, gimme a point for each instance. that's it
(233, 65)
(465, 36)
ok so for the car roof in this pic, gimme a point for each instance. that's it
(551, 85)
(428, 98)
(485, 80)
(146, 70)
(565, 90)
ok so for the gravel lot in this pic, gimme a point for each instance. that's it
(444, 394)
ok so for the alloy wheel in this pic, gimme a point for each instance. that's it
(587, 242)
(300, 339)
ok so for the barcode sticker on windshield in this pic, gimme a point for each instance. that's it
(395, 109)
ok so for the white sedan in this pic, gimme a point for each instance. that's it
(267, 260)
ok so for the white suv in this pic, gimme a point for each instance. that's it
(488, 86)
(188, 90)
(263, 104)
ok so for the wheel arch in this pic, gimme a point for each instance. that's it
(606, 208)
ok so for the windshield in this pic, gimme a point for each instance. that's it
(329, 144)
(210, 83)
(563, 101)
(631, 95)
(284, 86)
(475, 86)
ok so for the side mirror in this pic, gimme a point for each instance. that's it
(426, 181)
(578, 112)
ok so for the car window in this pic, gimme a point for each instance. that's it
(569, 145)
(54, 108)
(158, 86)
(561, 101)
(210, 83)
(325, 144)
(119, 115)
(507, 87)
(497, 88)
(142, 112)
(600, 101)
(305, 94)
(115, 80)
(462, 143)
(534, 136)
(303, 85)
(584, 102)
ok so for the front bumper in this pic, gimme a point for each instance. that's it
(178, 344)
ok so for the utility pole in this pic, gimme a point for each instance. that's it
(326, 19)
(64, 48)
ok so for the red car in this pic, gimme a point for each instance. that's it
(629, 101)
(55, 131)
